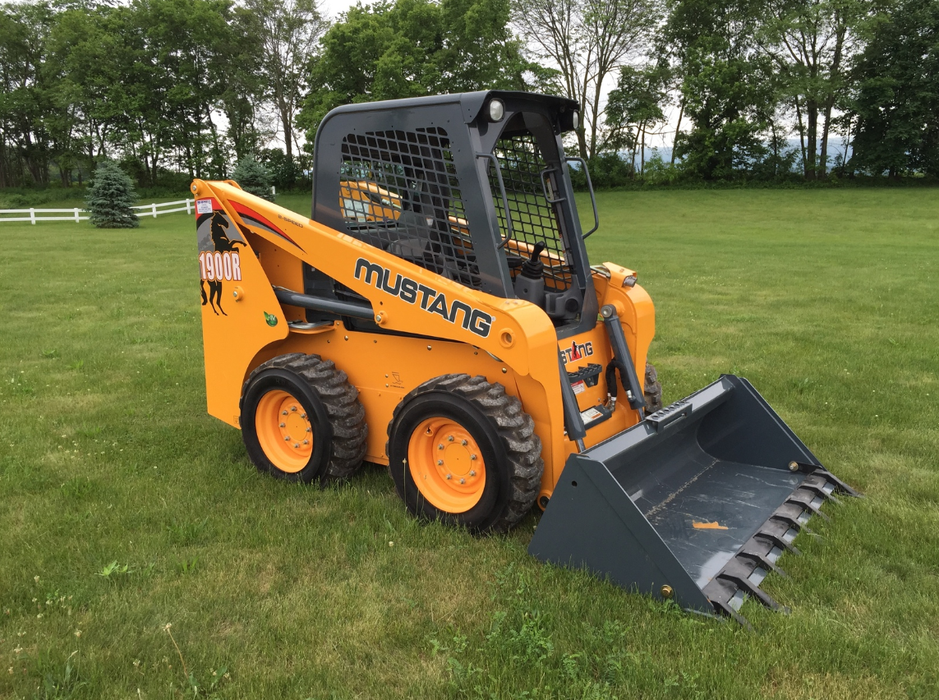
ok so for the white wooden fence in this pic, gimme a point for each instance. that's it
(76, 214)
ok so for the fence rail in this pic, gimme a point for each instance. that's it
(77, 214)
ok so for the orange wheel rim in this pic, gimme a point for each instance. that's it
(284, 431)
(447, 465)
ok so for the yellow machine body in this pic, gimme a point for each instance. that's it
(513, 342)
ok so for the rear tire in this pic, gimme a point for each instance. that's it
(301, 420)
(652, 390)
(462, 451)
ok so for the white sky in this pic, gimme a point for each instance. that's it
(332, 8)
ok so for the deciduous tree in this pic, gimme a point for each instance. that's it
(286, 36)
(587, 41)
(897, 103)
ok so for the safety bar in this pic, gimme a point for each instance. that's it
(593, 199)
(505, 199)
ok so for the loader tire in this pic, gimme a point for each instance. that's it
(302, 420)
(652, 389)
(463, 452)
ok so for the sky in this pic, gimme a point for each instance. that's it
(332, 8)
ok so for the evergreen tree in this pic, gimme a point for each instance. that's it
(110, 198)
(253, 177)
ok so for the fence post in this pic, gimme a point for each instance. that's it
(153, 207)
(77, 220)
(188, 206)
(32, 216)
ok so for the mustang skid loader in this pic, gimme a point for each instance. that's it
(438, 314)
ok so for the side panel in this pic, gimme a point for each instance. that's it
(237, 304)
(384, 368)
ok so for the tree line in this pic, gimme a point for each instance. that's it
(738, 89)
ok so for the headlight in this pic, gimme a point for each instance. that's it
(575, 120)
(496, 110)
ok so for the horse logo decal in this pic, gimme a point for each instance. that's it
(219, 258)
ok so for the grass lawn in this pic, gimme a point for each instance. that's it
(142, 556)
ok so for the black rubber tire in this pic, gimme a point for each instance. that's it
(338, 417)
(652, 390)
(504, 433)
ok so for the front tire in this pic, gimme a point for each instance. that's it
(462, 451)
(301, 420)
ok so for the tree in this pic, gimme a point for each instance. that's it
(897, 102)
(286, 34)
(727, 87)
(635, 106)
(253, 177)
(26, 95)
(243, 87)
(413, 48)
(111, 197)
(811, 42)
(587, 40)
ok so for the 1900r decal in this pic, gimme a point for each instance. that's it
(220, 266)
(432, 301)
(219, 257)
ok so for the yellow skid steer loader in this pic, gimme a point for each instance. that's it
(438, 314)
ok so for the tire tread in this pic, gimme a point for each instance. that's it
(516, 429)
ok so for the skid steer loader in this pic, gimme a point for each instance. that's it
(438, 314)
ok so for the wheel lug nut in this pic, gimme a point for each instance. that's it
(303, 416)
(440, 446)
(309, 430)
(450, 438)
(473, 472)
(306, 442)
(283, 425)
(284, 413)
(440, 464)
(287, 439)
(293, 408)
(462, 481)
(449, 476)
(296, 446)
(473, 457)
(463, 442)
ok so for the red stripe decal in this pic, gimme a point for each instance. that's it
(245, 211)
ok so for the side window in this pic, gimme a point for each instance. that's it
(529, 191)
(399, 192)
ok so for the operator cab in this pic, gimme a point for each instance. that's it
(472, 186)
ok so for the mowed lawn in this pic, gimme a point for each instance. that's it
(142, 556)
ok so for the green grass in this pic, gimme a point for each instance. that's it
(124, 508)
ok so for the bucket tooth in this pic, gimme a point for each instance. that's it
(697, 502)
(803, 498)
(737, 573)
(820, 473)
(777, 530)
(761, 559)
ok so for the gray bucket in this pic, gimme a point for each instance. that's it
(694, 504)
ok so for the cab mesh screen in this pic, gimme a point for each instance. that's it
(398, 191)
(534, 218)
